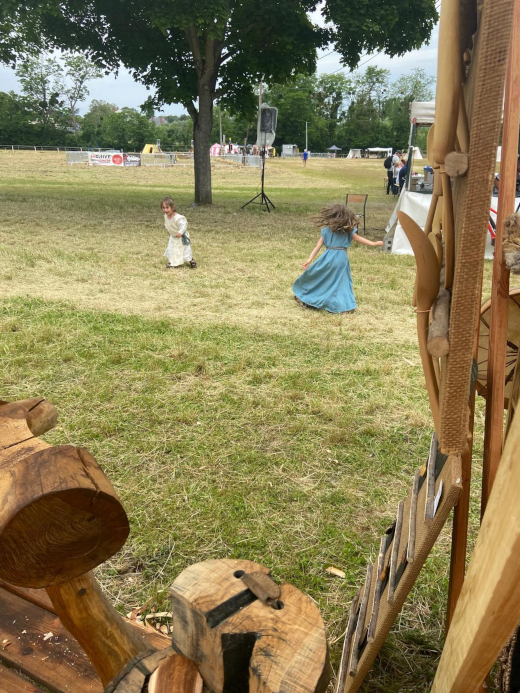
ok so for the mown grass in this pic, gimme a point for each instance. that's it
(231, 422)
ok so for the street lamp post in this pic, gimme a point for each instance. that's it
(306, 138)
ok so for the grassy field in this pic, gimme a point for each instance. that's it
(231, 421)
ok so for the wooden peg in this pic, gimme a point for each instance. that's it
(262, 586)
(456, 164)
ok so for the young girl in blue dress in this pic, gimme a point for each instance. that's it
(327, 284)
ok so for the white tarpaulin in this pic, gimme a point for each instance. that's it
(423, 112)
(416, 205)
(375, 152)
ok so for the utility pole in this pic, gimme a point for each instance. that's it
(306, 138)
(220, 117)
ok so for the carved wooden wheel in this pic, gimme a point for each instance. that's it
(513, 344)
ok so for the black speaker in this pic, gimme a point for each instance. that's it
(268, 119)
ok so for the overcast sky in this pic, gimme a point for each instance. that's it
(123, 91)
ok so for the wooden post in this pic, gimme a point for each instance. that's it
(459, 534)
(500, 287)
(488, 607)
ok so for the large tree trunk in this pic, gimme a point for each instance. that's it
(203, 123)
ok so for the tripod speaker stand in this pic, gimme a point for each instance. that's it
(264, 200)
(266, 129)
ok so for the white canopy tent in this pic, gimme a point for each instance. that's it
(378, 152)
(417, 204)
(355, 154)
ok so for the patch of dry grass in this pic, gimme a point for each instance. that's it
(232, 422)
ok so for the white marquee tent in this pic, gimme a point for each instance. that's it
(417, 204)
(355, 154)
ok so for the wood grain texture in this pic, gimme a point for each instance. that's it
(412, 523)
(377, 590)
(88, 615)
(489, 603)
(57, 663)
(59, 517)
(394, 556)
(234, 638)
(449, 80)
(427, 288)
(11, 682)
(40, 598)
(494, 428)
(176, 674)
(360, 626)
(345, 653)
(456, 164)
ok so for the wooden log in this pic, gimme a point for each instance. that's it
(456, 164)
(345, 654)
(489, 603)
(494, 426)
(59, 517)
(394, 556)
(87, 614)
(360, 627)
(175, 674)
(39, 414)
(237, 640)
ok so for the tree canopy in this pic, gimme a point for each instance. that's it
(194, 52)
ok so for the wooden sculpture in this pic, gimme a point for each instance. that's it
(60, 517)
(240, 626)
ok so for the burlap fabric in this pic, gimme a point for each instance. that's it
(483, 92)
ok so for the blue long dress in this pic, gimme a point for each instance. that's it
(327, 283)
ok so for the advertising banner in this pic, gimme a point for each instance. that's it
(105, 159)
(132, 159)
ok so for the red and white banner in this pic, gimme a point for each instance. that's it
(105, 159)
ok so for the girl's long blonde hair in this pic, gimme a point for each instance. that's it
(338, 218)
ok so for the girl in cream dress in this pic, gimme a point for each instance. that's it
(178, 250)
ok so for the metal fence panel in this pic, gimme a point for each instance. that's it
(157, 159)
(77, 157)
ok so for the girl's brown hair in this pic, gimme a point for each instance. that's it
(168, 201)
(338, 218)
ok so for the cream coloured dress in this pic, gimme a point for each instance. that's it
(176, 252)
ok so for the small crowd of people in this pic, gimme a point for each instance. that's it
(396, 169)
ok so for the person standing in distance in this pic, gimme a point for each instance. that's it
(305, 157)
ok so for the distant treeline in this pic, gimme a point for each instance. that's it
(357, 111)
